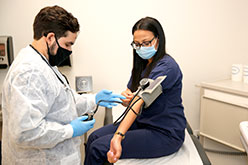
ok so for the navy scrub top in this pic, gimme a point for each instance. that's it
(166, 113)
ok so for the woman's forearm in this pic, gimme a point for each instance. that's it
(130, 117)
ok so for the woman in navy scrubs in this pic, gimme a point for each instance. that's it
(159, 130)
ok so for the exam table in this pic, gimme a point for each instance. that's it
(191, 152)
(244, 134)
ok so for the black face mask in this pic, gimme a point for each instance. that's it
(61, 55)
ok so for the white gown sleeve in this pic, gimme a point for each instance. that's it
(85, 102)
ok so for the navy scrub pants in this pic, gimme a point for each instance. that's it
(139, 143)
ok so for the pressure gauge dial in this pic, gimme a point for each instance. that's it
(144, 83)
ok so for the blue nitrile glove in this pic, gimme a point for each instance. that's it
(108, 96)
(80, 126)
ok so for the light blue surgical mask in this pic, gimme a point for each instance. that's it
(146, 52)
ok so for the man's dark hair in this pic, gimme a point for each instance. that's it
(54, 19)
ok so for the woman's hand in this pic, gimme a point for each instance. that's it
(115, 150)
(129, 95)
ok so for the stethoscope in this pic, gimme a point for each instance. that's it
(66, 85)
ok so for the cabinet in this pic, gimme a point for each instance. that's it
(224, 104)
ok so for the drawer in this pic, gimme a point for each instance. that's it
(226, 97)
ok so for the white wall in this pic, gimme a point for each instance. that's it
(205, 37)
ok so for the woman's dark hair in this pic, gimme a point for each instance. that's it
(140, 64)
(54, 19)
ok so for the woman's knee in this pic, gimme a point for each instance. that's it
(106, 130)
(99, 147)
(92, 137)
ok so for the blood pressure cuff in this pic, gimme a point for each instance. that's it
(149, 94)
